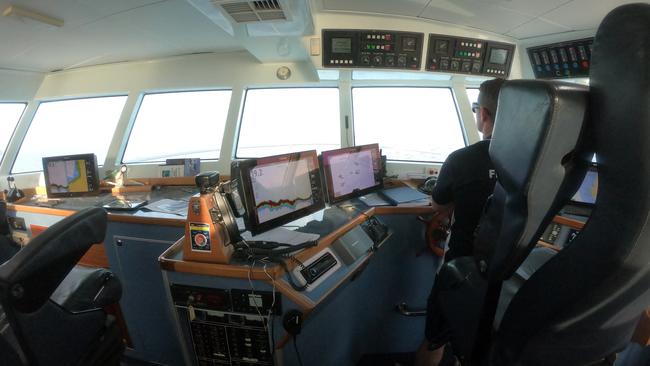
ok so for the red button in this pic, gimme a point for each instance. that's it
(585, 64)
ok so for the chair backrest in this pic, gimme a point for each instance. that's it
(583, 304)
(535, 149)
(537, 152)
(46, 333)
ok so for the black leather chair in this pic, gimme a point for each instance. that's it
(55, 324)
(582, 305)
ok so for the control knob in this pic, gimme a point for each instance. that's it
(377, 60)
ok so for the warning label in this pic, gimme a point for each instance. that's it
(200, 236)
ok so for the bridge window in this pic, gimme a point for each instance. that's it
(67, 127)
(178, 125)
(10, 114)
(278, 121)
(409, 123)
(472, 95)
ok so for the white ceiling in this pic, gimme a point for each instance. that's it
(519, 19)
(106, 31)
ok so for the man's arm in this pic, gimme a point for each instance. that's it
(443, 193)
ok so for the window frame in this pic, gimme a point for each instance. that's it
(50, 100)
(437, 85)
(328, 85)
(13, 133)
(136, 110)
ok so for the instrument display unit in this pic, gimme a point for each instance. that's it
(71, 175)
(372, 49)
(562, 60)
(469, 56)
(279, 189)
(352, 171)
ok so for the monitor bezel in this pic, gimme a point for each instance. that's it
(87, 157)
(251, 220)
(327, 172)
(592, 168)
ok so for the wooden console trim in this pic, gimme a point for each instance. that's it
(212, 269)
(94, 257)
(133, 219)
(574, 224)
(39, 210)
(398, 210)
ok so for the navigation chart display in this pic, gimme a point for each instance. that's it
(67, 176)
(70, 175)
(352, 171)
(588, 189)
(280, 189)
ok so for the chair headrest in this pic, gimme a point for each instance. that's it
(537, 130)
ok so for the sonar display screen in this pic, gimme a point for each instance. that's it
(280, 189)
(71, 175)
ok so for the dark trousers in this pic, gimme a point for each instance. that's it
(437, 330)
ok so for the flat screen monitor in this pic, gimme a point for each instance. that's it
(352, 171)
(71, 175)
(588, 191)
(498, 56)
(279, 189)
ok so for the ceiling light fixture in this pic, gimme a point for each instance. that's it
(22, 13)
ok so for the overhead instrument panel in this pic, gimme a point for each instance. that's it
(562, 60)
(469, 56)
(372, 49)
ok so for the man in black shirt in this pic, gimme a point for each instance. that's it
(465, 181)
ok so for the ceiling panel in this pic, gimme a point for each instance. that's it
(71, 11)
(476, 14)
(98, 32)
(583, 14)
(402, 7)
(535, 28)
(528, 7)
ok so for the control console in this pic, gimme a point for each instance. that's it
(469, 56)
(562, 60)
(226, 327)
(372, 49)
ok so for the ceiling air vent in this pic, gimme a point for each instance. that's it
(253, 11)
